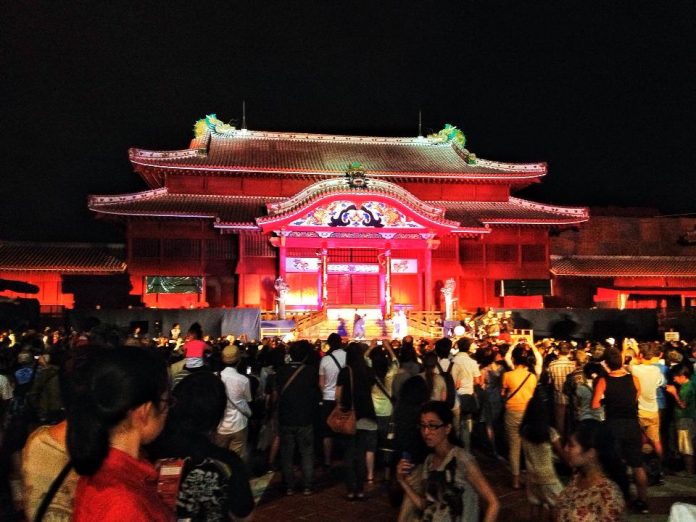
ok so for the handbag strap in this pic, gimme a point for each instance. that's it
(292, 378)
(352, 391)
(55, 486)
(529, 374)
(384, 390)
(336, 361)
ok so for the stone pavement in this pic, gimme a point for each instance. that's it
(328, 503)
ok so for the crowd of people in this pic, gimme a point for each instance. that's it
(97, 426)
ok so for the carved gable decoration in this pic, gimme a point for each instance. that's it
(346, 213)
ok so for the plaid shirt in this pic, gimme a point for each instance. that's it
(558, 371)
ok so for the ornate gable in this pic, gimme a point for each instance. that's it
(357, 202)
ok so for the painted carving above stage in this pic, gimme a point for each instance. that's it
(311, 265)
(345, 213)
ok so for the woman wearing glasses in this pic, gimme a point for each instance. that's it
(449, 483)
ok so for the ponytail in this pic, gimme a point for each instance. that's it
(109, 385)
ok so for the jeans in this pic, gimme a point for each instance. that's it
(354, 459)
(303, 437)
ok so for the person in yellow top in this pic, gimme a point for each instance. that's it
(517, 390)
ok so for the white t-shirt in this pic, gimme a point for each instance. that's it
(5, 388)
(465, 371)
(329, 369)
(650, 378)
(237, 411)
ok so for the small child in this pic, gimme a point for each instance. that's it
(685, 413)
(539, 442)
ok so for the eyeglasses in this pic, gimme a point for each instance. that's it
(430, 427)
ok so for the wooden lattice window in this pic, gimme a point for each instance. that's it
(145, 247)
(256, 245)
(502, 253)
(221, 248)
(447, 248)
(533, 253)
(181, 248)
(470, 252)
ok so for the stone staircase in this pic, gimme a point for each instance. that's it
(374, 329)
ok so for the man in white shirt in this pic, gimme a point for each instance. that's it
(466, 374)
(329, 367)
(232, 431)
(650, 378)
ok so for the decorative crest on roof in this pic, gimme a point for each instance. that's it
(449, 134)
(211, 123)
(356, 175)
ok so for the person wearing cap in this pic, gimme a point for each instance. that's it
(232, 432)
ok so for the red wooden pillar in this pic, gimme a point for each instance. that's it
(323, 279)
(282, 251)
(428, 276)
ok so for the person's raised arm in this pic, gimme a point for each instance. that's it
(538, 360)
(598, 394)
(508, 358)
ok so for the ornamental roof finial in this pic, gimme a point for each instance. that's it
(356, 174)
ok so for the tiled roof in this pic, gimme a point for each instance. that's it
(320, 154)
(514, 211)
(242, 211)
(63, 257)
(623, 266)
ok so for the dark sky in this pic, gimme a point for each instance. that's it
(604, 91)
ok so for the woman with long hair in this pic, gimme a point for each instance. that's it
(492, 404)
(353, 390)
(449, 483)
(437, 389)
(120, 403)
(598, 488)
(539, 442)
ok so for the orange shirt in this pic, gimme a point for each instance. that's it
(511, 381)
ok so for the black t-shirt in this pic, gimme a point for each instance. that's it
(214, 481)
(296, 405)
(361, 395)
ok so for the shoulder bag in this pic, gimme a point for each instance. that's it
(343, 421)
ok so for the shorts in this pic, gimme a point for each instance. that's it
(650, 423)
(543, 494)
(628, 440)
(326, 408)
(686, 430)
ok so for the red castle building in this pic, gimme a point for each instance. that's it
(346, 221)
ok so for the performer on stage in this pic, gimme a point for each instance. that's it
(342, 330)
(400, 323)
(358, 326)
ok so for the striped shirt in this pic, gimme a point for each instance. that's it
(558, 371)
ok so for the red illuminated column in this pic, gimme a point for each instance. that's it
(282, 251)
(323, 293)
(387, 284)
(428, 276)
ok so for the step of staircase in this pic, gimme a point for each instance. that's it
(374, 329)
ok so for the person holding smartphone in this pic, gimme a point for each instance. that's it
(449, 484)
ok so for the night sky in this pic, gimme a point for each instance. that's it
(605, 92)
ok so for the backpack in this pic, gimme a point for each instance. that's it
(449, 384)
